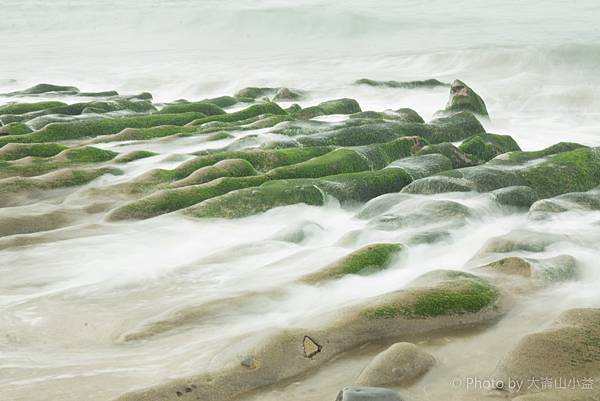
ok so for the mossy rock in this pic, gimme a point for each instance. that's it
(517, 196)
(286, 94)
(15, 151)
(15, 129)
(170, 200)
(134, 155)
(253, 92)
(437, 185)
(22, 108)
(432, 211)
(427, 83)
(575, 201)
(222, 101)
(249, 201)
(86, 154)
(254, 110)
(456, 127)
(109, 93)
(520, 157)
(366, 260)
(208, 109)
(551, 270)
(349, 160)
(463, 98)
(142, 134)
(308, 112)
(47, 88)
(340, 106)
(98, 127)
(485, 147)
(461, 295)
(423, 165)
(224, 168)
(458, 158)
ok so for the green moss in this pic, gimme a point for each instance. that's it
(574, 171)
(338, 161)
(456, 127)
(88, 154)
(142, 134)
(458, 158)
(15, 129)
(54, 180)
(135, 155)
(308, 113)
(208, 109)
(92, 128)
(455, 297)
(463, 98)
(170, 200)
(522, 157)
(254, 110)
(22, 108)
(222, 101)
(340, 106)
(108, 93)
(366, 260)
(249, 201)
(485, 147)
(18, 151)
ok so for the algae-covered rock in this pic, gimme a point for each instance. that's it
(286, 94)
(366, 260)
(22, 108)
(487, 146)
(254, 110)
(519, 157)
(458, 158)
(206, 108)
(224, 168)
(400, 364)
(429, 212)
(570, 348)
(423, 165)
(253, 92)
(15, 151)
(517, 196)
(348, 160)
(86, 154)
(427, 83)
(340, 106)
(170, 200)
(47, 88)
(463, 98)
(15, 129)
(575, 201)
(134, 155)
(550, 270)
(97, 127)
(438, 184)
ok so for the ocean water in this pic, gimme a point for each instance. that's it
(68, 304)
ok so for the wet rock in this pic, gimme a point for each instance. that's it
(441, 212)
(381, 204)
(458, 158)
(520, 240)
(400, 364)
(423, 165)
(299, 233)
(224, 168)
(253, 111)
(208, 109)
(568, 349)
(14, 129)
(575, 201)
(22, 108)
(427, 83)
(340, 106)
(463, 98)
(486, 146)
(47, 88)
(287, 94)
(437, 185)
(556, 269)
(517, 196)
(253, 92)
(366, 260)
(360, 393)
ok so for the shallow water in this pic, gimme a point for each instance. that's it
(68, 302)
